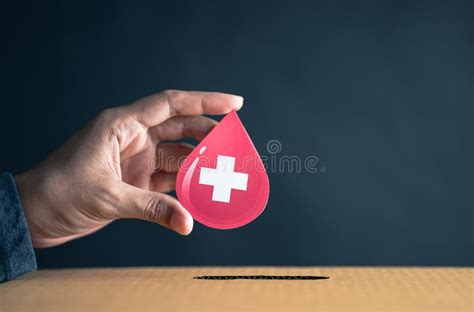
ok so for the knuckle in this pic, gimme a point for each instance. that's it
(155, 209)
(169, 93)
(174, 99)
(118, 126)
(113, 119)
(108, 114)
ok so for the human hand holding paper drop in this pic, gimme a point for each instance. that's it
(117, 166)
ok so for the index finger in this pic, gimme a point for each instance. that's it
(154, 109)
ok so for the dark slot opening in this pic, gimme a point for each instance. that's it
(261, 277)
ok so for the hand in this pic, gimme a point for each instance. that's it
(116, 167)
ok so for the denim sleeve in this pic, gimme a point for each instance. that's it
(17, 256)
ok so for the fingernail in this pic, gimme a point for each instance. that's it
(241, 100)
(182, 224)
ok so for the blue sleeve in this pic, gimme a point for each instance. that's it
(17, 256)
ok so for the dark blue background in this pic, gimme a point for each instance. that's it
(380, 91)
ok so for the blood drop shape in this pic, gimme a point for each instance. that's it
(223, 182)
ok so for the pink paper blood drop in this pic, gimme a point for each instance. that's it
(223, 182)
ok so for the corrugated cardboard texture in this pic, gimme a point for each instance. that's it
(175, 289)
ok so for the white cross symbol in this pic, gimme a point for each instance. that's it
(223, 179)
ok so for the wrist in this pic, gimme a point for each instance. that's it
(29, 186)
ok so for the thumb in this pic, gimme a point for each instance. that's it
(154, 207)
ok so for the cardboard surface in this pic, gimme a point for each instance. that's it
(174, 289)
